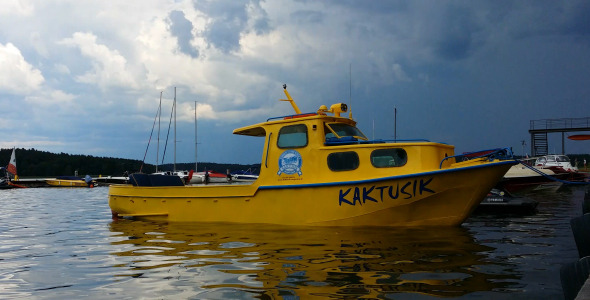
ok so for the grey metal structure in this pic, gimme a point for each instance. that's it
(540, 128)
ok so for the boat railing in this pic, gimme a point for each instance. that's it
(378, 141)
(564, 123)
(292, 116)
(490, 154)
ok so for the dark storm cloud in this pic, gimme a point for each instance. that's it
(456, 34)
(182, 28)
(230, 19)
(579, 21)
(526, 19)
(371, 7)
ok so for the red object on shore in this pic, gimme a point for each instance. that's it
(579, 137)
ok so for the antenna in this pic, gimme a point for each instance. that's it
(395, 124)
(297, 111)
(350, 90)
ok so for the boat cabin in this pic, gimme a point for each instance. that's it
(315, 147)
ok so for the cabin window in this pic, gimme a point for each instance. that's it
(387, 158)
(341, 130)
(343, 161)
(294, 136)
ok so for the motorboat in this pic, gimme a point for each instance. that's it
(5, 182)
(499, 201)
(188, 177)
(525, 176)
(244, 175)
(556, 163)
(319, 169)
(560, 164)
(71, 181)
(210, 176)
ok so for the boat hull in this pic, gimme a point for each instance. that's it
(438, 197)
(66, 183)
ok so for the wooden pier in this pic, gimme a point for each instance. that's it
(41, 182)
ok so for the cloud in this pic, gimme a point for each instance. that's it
(576, 20)
(62, 69)
(233, 56)
(307, 16)
(399, 73)
(182, 29)
(50, 98)
(17, 76)
(17, 7)
(41, 143)
(456, 33)
(109, 68)
(228, 19)
(258, 18)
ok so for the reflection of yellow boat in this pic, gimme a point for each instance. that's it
(319, 169)
(302, 262)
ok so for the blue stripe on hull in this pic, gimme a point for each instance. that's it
(356, 182)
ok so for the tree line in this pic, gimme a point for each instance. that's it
(35, 163)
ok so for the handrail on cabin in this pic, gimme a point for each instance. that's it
(491, 154)
(292, 116)
(378, 141)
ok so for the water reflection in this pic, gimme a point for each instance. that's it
(245, 261)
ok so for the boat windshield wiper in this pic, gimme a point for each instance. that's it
(344, 130)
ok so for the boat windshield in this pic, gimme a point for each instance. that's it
(340, 130)
(563, 158)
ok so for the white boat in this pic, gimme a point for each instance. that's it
(210, 176)
(186, 176)
(520, 171)
(556, 163)
(244, 175)
(523, 175)
(561, 165)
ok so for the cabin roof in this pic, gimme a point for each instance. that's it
(252, 130)
(258, 129)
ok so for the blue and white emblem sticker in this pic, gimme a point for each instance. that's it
(290, 163)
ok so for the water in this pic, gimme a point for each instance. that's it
(61, 243)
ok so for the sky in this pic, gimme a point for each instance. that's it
(85, 77)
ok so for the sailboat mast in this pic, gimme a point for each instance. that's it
(174, 108)
(158, 147)
(196, 165)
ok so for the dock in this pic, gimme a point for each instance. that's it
(41, 182)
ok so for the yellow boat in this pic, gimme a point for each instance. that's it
(319, 169)
(70, 181)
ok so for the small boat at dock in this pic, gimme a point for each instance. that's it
(560, 165)
(319, 169)
(502, 202)
(71, 181)
(524, 176)
(244, 175)
(6, 182)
